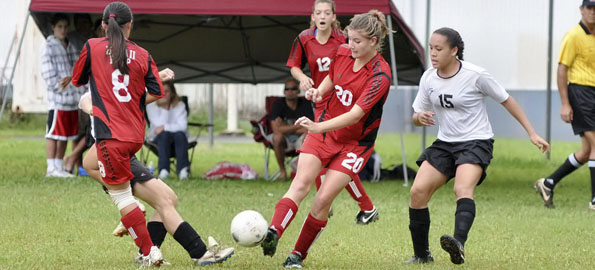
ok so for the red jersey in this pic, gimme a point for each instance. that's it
(118, 101)
(306, 48)
(368, 88)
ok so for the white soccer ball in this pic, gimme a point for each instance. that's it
(248, 228)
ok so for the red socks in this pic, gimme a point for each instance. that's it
(136, 225)
(357, 191)
(285, 211)
(310, 232)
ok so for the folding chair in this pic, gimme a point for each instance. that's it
(192, 140)
(263, 133)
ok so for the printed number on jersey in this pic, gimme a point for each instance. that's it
(445, 101)
(353, 163)
(120, 83)
(323, 63)
(345, 96)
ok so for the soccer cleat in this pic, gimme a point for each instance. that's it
(367, 217)
(269, 244)
(420, 260)
(547, 195)
(293, 261)
(214, 254)
(454, 248)
(138, 259)
(591, 206)
(154, 259)
(120, 230)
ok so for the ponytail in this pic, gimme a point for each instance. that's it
(115, 15)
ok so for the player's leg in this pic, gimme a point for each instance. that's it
(590, 136)
(368, 213)
(545, 186)
(335, 182)
(308, 168)
(427, 180)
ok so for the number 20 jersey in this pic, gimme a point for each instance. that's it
(368, 88)
(118, 100)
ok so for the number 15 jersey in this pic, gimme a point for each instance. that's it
(459, 102)
(118, 100)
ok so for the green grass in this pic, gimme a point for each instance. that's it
(67, 223)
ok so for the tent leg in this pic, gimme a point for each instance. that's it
(9, 83)
(393, 66)
(211, 116)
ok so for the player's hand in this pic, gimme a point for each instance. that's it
(308, 124)
(166, 75)
(313, 94)
(425, 118)
(65, 82)
(566, 113)
(306, 83)
(540, 143)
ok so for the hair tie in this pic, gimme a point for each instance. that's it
(112, 16)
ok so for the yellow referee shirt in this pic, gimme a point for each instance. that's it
(578, 54)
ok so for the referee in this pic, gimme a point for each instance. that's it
(576, 84)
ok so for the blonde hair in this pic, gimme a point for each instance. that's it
(336, 23)
(372, 24)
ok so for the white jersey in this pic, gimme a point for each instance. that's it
(459, 102)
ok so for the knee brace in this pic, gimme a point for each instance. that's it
(122, 197)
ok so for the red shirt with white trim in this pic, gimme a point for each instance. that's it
(118, 100)
(368, 88)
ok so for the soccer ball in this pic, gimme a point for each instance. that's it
(248, 228)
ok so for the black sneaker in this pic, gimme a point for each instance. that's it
(420, 260)
(366, 217)
(547, 194)
(454, 248)
(293, 261)
(269, 244)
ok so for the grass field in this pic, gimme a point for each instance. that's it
(67, 223)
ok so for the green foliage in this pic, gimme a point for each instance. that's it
(50, 223)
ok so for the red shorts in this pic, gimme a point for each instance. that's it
(113, 157)
(346, 158)
(62, 125)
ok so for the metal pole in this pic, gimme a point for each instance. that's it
(548, 110)
(393, 64)
(211, 116)
(9, 84)
(427, 51)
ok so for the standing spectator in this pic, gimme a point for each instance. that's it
(57, 60)
(286, 134)
(576, 85)
(168, 128)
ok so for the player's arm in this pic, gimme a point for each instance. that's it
(305, 81)
(517, 112)
(566, 110)
(82, 67)
(316, 94)
(347, 119)
(153, 82)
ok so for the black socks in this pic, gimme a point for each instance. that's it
(419, 225)
(464, 217)
(190, 240)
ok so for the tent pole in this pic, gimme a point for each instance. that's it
(548, 110)
(9, 83)
(393, 63)
(211, 116)
(427, 57)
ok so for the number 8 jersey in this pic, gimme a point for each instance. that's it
(118, 100)
(459, 102)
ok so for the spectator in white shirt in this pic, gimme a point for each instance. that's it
(168, 128)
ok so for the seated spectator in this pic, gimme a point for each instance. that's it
(284, 113)
(168, 129)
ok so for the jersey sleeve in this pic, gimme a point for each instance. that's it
(490, 87)
(567, 51)
(422, 101)
(152, 80)
(296, 54)
(375, 89)
(82, 67)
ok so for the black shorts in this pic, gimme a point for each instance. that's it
(446, 156)
(140, 172)
(582, 101)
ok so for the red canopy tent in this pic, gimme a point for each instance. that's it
(214, 41)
